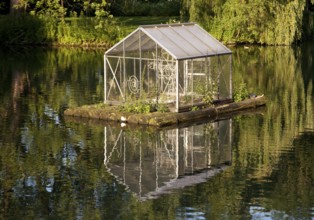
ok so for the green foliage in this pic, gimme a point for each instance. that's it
(162, 108)
(142, 106)
(138, 107)
(76, 31)
(49, 8)
(195, 108)
(253, 21)
(89, 32)
(145, 8)
(65, 8)
(26, 29)
(241, 92)
(45, 21)
(208, 97)
(207, 89)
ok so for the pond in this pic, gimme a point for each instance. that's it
(255, 165)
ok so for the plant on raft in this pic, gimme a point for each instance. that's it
(138, 107)
(195, 108)
(241, 92)
(208, 97)
(208, 90)
(161, 107)
(144, 107)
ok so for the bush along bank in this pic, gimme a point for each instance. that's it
(31, 30)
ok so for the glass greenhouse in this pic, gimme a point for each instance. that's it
(180, 65)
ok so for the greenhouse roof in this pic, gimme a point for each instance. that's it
(181, 41)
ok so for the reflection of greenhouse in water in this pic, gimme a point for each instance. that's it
(150, 164)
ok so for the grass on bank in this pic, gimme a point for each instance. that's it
(83, 31)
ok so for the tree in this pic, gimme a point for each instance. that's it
(13, 6)
(62, 8)
(250, 21)
(145, 7)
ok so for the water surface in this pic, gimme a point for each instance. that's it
(260, 163)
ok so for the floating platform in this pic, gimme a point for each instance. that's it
(162, 119)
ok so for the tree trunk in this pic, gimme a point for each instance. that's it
(13, 7)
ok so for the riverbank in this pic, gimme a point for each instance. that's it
(98, 33)
(29, 30)
(161, 119)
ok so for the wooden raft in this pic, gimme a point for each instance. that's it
(112, 113)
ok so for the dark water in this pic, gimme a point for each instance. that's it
(261, 164)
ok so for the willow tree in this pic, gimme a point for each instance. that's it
(249, 21)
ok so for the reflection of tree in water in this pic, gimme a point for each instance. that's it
(42, 82)
(278, 73)
(86, 188)
(295, 171)
(20, 82)
(261, 142)
(11, 107)
(43, 162)
(20, 85)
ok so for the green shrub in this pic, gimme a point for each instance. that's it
(26, 29)
(195, 108)
(162, 108)
(240, 93)
(138, 107)
(141, 8)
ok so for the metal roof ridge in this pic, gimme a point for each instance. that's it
(168, 25)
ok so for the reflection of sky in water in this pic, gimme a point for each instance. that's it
(30, 181)
(258, 212)
(26, 187)
(26, 139)
(51, 114)
(69, 155)
(49, 184)
(189, 213)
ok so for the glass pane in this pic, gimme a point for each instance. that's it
(148, 48)
(199, 47)
(114, 79)
(117, 50)
(166, 42)
(131, 45)
(181, 42)
(213, 45)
